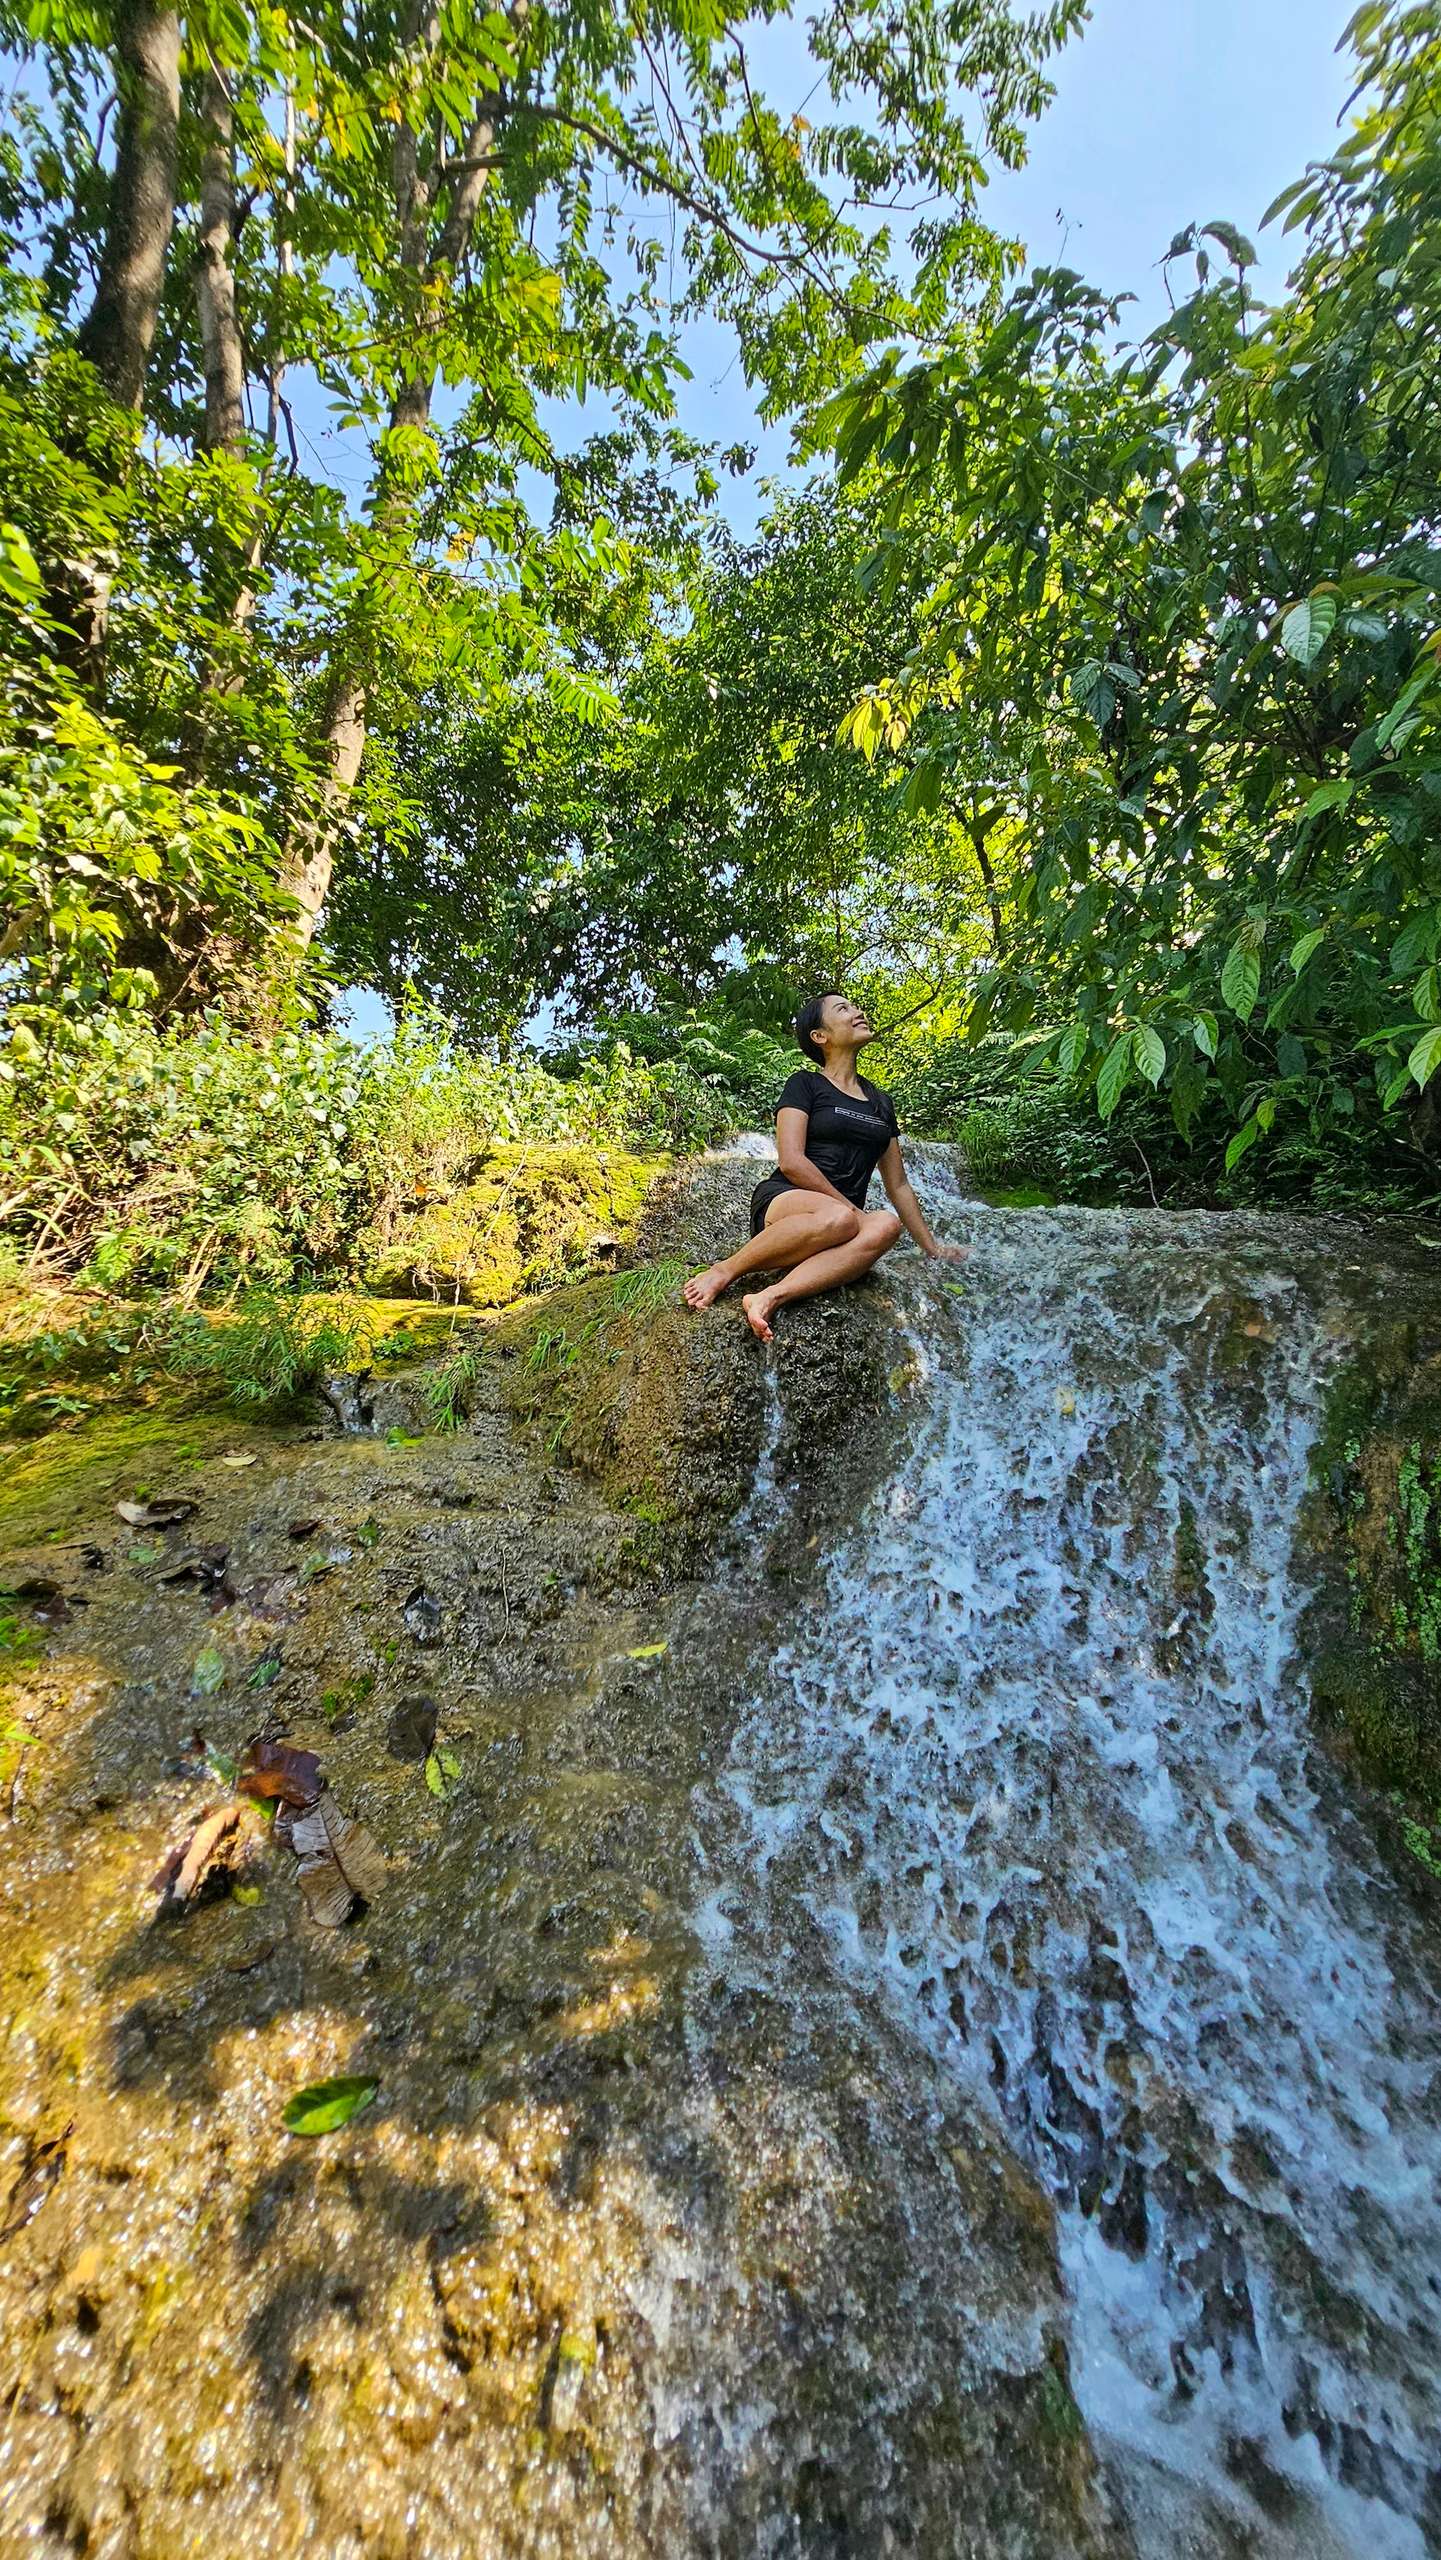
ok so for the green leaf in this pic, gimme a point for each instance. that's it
(1203, 1032)
(1330, 795)
(1075, 1041)
(1415, 942)
(208, 1673)
(1425, 1058)
(1241, 980)
(326, 2105)
(1302, 949)
(442, 1769)
(1307, 628)
(646, 1652)
(1149, 1050)
(1114, 1076)
(1244, 1139)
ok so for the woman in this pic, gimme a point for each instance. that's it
(809, 1219)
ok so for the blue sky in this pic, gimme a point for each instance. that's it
(1166, 112)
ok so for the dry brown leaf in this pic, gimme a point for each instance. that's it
(222, 1844)
(237, 1458)
(279, 1770)
(340, 1864)
(164, 1511)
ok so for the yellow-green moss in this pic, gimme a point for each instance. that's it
(529, 1219)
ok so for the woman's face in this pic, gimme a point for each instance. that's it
(844, 1024)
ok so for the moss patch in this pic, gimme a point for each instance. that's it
(662, 1407)
(532, 1217)
(1376, 1513)
(666, 1409)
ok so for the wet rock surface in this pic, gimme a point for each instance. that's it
(624, 2257)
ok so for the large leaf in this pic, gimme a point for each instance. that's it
(1307, 628)
(1241, 979)
(1425, 1058)
(340, 1863)
(1075, 1040)
(325, 2105)
(1150, 1052)
(1244, 1139)
(1115, 1072)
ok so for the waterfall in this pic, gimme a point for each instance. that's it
(1035, 1761)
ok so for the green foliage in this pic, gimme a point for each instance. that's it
(216, 654)
(1186, 624)
(267, 1350)
(190, 1157)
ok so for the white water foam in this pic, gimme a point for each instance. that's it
(1038, 1765)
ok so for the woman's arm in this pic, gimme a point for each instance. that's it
(791, 1131)
(908, 1209)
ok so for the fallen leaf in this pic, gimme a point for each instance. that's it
(208, 1673)
(422, 1615)
(43, 2164)
(646, 1652)
(220, 1846)
(340, 1863)
(266, 1670)
(165, 1511)
(442, 1769)
(411, 1732)
(278, 1770)
(327, 2104)
(254, 1957)
(237, 1458)
(315, 1568)
(1065, 1400)
(206, 1569)
(302, 1529)
(201, 1756)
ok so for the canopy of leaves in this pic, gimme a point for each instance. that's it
(1188, 625)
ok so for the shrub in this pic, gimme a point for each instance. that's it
(185, 1157)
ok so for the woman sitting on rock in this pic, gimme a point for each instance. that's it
(809, 1219)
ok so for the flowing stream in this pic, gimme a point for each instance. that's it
(1035, 1764)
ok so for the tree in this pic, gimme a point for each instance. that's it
(1188, 631)
(448, 219)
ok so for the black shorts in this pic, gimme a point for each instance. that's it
(764, 1193)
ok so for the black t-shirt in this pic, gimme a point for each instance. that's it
(848, 1133)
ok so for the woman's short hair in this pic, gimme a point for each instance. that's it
(807, 1024)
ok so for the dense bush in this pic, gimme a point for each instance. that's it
(146, 1154)
(742, 1067)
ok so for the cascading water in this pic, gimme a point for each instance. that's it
(1036, 1762)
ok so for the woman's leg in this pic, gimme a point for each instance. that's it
(797, 1224)
(878, 1231)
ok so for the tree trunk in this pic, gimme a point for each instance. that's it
(977, 835)
(310, 854)
(223, 354)
(120, 330)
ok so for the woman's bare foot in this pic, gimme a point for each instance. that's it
(756, 1314)
(707, 1286)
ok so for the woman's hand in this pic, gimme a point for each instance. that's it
(952, 1253)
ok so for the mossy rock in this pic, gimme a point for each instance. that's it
(666, 1408)
(1374, 1518)
(531, 1217)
